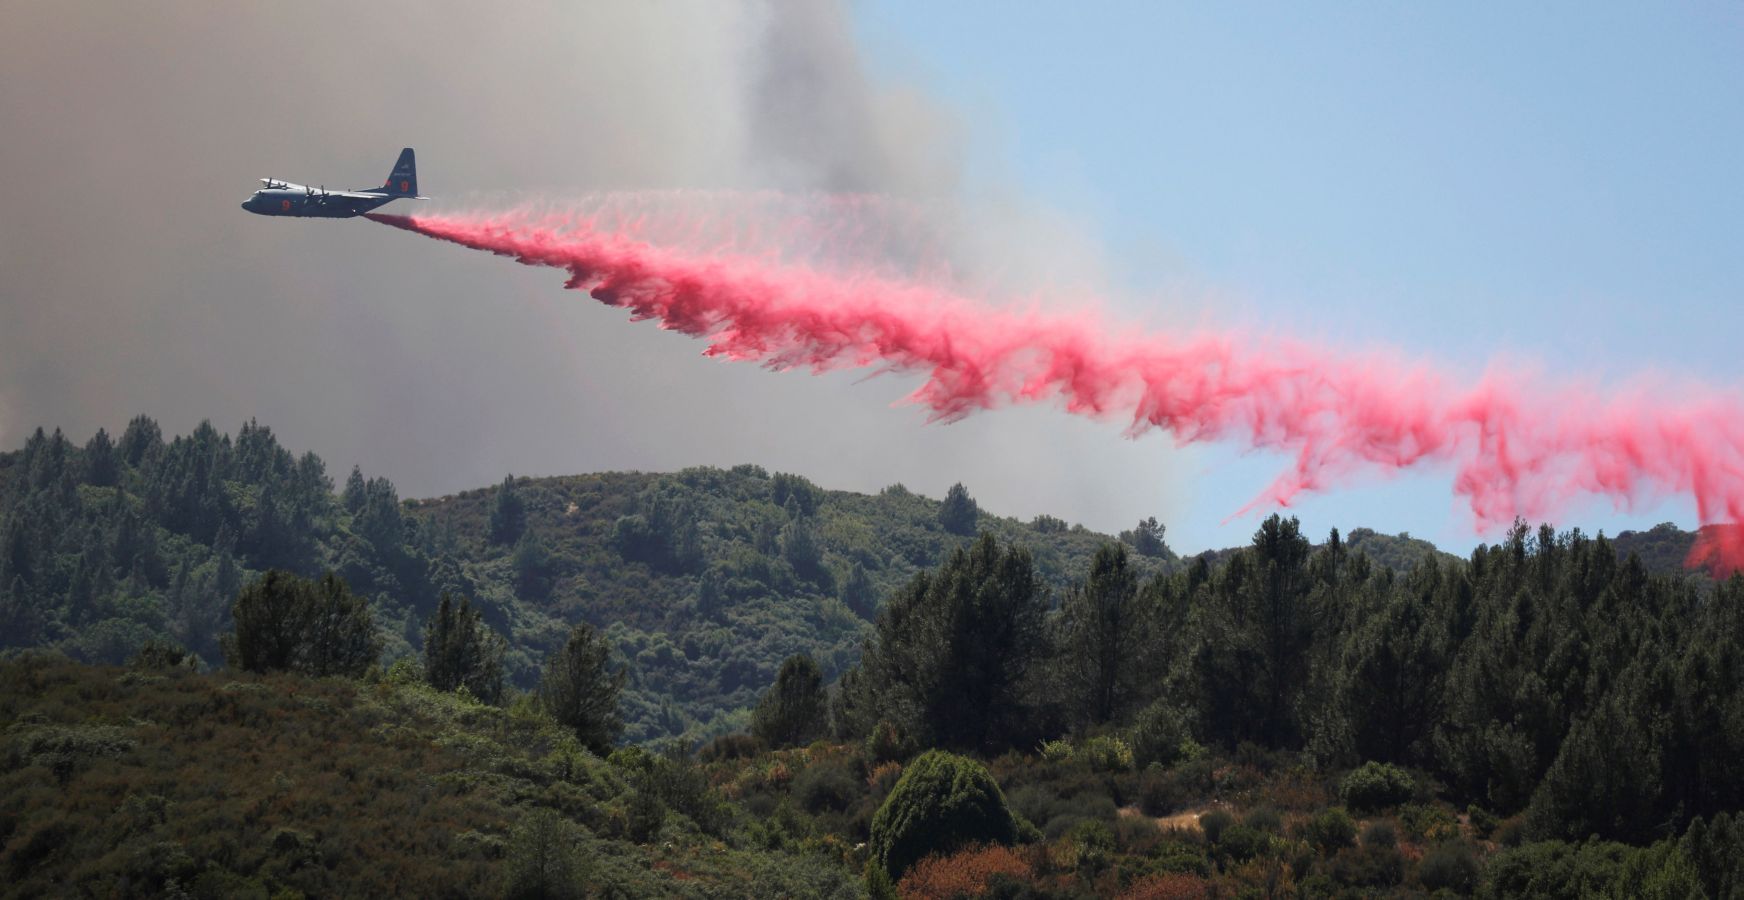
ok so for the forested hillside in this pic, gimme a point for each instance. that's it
(1541, 720)
(705, 580)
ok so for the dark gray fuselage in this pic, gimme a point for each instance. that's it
(310, 204)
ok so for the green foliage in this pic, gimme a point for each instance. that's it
(581, 692)
(792, 711)
(287, 623)
(956, 654)
(1162, 735)
(508, 518)
(1214, 823)
(1328, 831)
(1147, 538)
(1555, 869)
(1451, 866)
(1106, 753)
(1375, 786)
(959, 514)
(461, 651)
(942, 802)
(162, 656)
(96, 569)
(1257, 626)
(237, 785)
(1102, 629)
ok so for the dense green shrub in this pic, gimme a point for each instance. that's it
(827, 786)
(1106, 753)
(1328, 831)
(1162, 735)
(942, 802)
(1375, 786)
(1240, 843)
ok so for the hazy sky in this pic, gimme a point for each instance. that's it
(1558, 184)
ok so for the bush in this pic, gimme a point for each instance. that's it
(1264, 818)
(1375, 786)
(1161, 736)
(962, 874)
(1452, 866)
(1380, 833)
(941, 803)
(1431, 824)
(162, 655)
(887, 743)
(1483, 822)
(1369, 866)
(729, 746)
(1055, 753)
(1160, 793)
(1328, 831)
(1107, 754)
(1214, 823)
(826, 786)
(1240, 843)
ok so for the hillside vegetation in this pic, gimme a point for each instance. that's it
(705, 580)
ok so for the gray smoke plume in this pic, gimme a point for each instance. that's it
(130, 282)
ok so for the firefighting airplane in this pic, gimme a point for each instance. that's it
(282, 198)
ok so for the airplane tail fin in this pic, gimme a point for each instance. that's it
(403, 180)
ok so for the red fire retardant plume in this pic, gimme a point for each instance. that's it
(1518, 450)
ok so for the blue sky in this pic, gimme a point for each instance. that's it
(1554, 184)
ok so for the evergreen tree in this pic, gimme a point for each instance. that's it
(580, 692)
(1255, 629)
(356, 491)
(102, 464)
(858, 594)
(1104, 633)
(284, 622)
(1147, 538)
(959, 513)
(955, 656)
(460, 650)
(531, 561)
(508, 514)
(142, 439)
(792, 712)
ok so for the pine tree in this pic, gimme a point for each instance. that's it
(580, 692)
(1103, 633)
(460, 650)
(101, 463)
(356, 491)
(959, 513)
(792, 712)
(858, 594)
(288, 623)
(508, 515)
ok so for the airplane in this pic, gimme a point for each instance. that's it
(282, 198)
